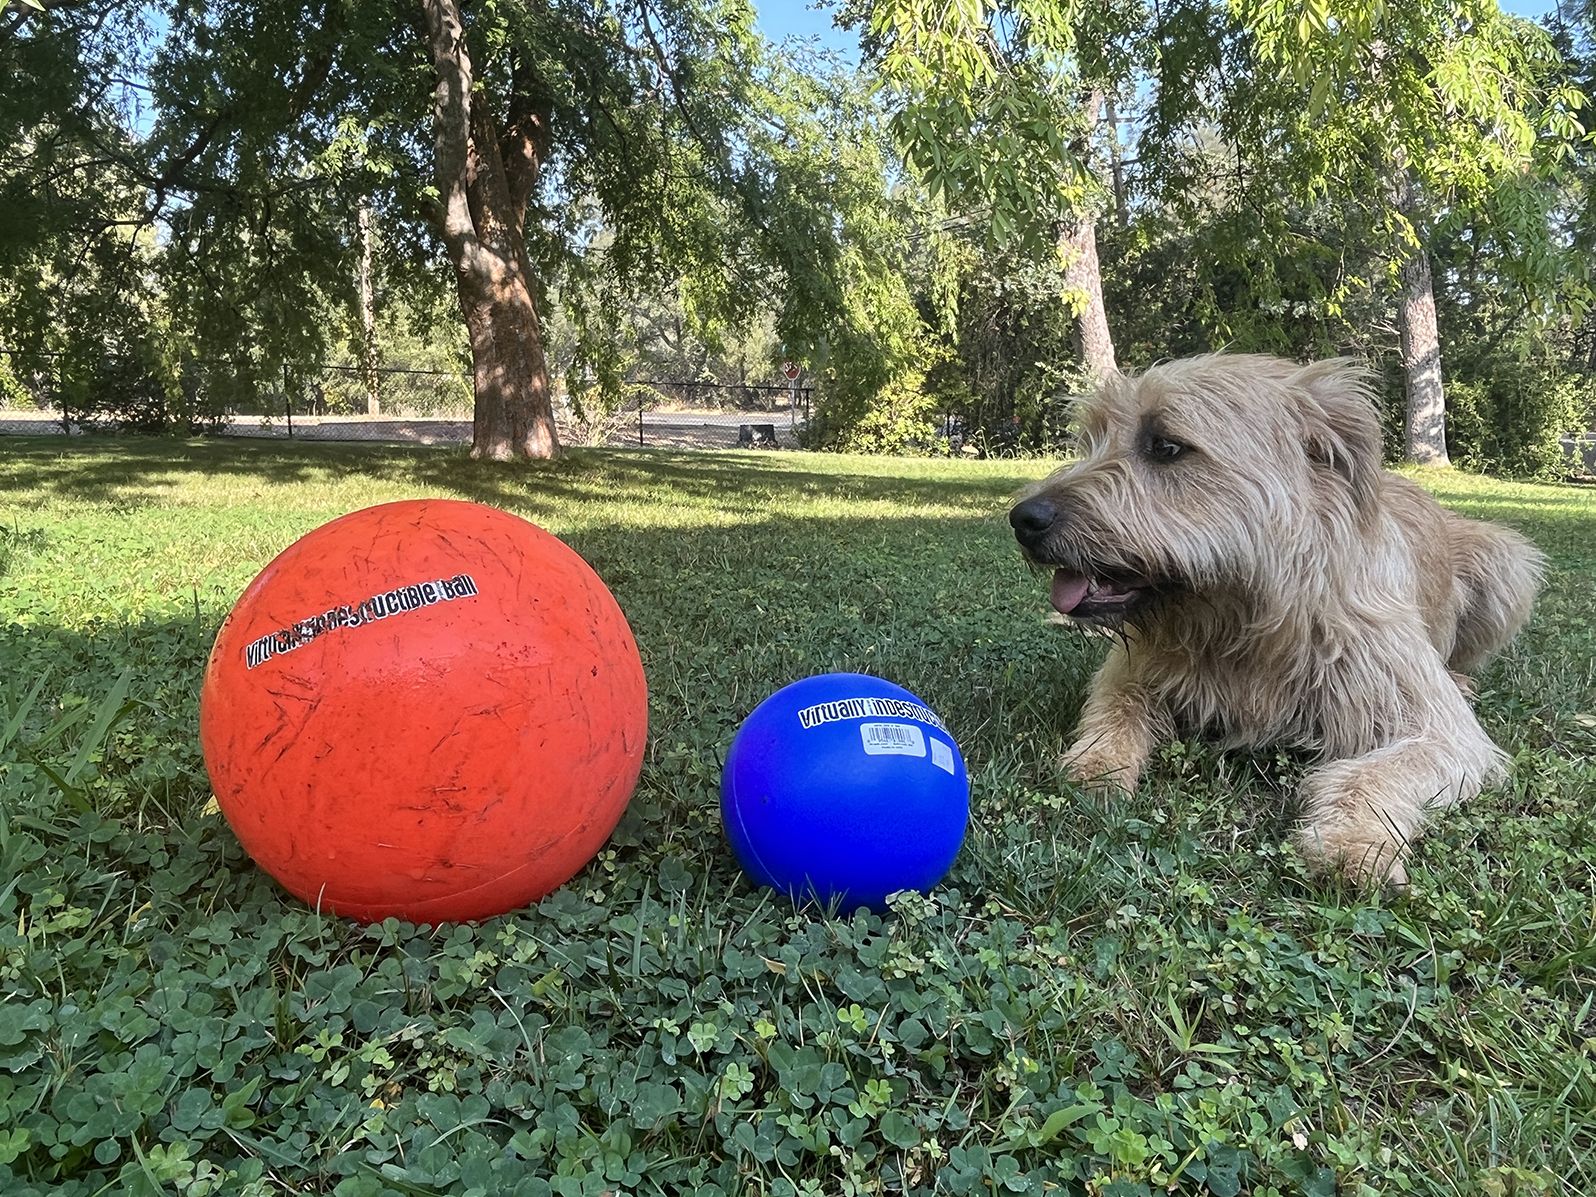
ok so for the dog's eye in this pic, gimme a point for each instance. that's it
(1161, 448)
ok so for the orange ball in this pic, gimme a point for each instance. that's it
(428, 709)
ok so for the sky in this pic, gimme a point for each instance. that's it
(778, 19)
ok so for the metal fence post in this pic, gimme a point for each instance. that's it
(288, 405)
(60, 395)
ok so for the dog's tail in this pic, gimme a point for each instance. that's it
(1497, 576)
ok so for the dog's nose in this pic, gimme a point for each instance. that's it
(1032, 519)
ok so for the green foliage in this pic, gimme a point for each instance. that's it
(69, 235)
(871, 404)
(709, 203)
(872, 394)
(1522, 380)
(1510, 418)
(682, 162)
(1429, 117)
(412, 334)
(1196, 276)
(858, 315)
(131, 389)
(987, 107)
(660, 337)
(1014, 371)
(111, 362)
(13, 393)
(1130, 999)
(1458, 94)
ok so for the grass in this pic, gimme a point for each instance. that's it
(1135, 997)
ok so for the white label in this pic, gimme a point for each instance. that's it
(892, 739)
(941, 755)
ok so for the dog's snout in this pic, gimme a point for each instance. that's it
(1032, 519)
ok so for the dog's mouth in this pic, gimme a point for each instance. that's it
(1092, 597)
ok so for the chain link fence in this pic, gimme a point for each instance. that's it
(45, 394)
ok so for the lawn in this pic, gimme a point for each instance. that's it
(1120, 998)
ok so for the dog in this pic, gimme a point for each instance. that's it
(1227, 520)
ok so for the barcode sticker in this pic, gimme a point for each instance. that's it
(892, 739)
(941, 755)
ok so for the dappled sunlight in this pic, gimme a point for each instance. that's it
(1526, 508)
(1451, 485)
(634, 488)
(738, 575)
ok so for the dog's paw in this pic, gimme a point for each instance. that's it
(1367, 862)
(1099, 774)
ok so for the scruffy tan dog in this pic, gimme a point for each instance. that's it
(1229, 518)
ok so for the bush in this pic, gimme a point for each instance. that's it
(133, 390)
(1511, 418)
(860, 415)
(1014, 373)
(14, 395)
(872, 395)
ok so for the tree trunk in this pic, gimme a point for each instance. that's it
(485, 177)
(368, 316)
(1421, 364)
(1116, 163)
(1420, 341)
(1083, 280)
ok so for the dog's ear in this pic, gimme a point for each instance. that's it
(1341, 430)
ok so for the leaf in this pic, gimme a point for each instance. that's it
(112, 707)
(1224, 1180)
(235, 1106)
(1320, 92)
(190, 1109)
(1058, 1120)
(13, 1143)
(16, 1020)
(13, 726)
(899, 1130)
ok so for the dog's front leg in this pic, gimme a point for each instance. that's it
(1361, 813)
(1123, 720)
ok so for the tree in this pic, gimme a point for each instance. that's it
(487, 167)
(1083, 277)
(998, 106)
(75, 244)
(859, 316)
(1427, 108)
(506, 132)
(367, 323)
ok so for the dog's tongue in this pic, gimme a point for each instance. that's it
(1068, 590)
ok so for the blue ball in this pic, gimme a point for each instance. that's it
(845, 788)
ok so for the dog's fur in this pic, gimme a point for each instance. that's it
(1228, 518)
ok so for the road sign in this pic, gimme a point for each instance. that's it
(791, 370)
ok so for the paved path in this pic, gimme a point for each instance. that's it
(660, 429)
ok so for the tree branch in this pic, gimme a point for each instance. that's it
(524, 140)
(719, 169)
(662, 61)
(14, 15)
(451, 122)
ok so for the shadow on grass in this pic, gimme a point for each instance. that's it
(107, 470)
(1081, 926)
(723, 613)
(724, 609)
(722, 620)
